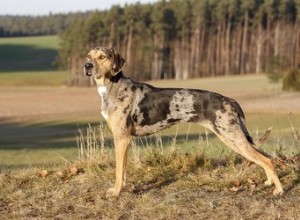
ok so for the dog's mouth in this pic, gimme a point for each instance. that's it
(87, 72)
(91, 73)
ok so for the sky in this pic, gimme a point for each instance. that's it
(44, 7)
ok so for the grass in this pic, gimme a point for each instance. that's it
(51, 42)
(30, 61)
(162, 184)
(40, 78)
(28, 53)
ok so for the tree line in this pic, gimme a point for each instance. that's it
(188, 38)
(52, 24)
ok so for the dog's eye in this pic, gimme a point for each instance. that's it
(89, 57)
(101, 57)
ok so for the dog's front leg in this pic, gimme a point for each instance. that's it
(121, 143)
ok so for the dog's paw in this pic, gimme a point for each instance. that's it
(278, 192)
(268, 182)
(112, 192)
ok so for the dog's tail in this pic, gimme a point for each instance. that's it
(241, 117)
(244, 129)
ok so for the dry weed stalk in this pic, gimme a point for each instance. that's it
(91, 144)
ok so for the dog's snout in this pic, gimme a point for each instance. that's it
(88, 66)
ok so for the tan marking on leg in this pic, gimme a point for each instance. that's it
(121, 146)
(245, 149)
(122, 139)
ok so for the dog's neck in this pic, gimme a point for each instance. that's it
(109, 81)
(117, 77)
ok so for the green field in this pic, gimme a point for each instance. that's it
(28, 54)
(30, 61)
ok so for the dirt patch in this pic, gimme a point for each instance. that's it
(51, 104)
(48, 104)
(280, 103)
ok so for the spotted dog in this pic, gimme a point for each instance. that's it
(135, 109)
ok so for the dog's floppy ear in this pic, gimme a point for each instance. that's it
(118, 63)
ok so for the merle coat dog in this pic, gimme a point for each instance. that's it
(135, 109)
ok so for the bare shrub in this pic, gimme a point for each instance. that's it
(291, 80)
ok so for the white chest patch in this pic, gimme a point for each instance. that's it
(102, 91)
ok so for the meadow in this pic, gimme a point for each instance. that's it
(56, 157)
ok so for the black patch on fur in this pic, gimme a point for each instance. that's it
(241, 116)
(125, 109)
(205, 104)
(155, 106)
(128, 121)
(133, 88)
(195, 118)
(173, 120)
(122, 98)
(232, 121)
(134, 118)
(117, 77)
(249, 138)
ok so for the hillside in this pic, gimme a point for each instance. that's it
(160, 185)
(24, 54)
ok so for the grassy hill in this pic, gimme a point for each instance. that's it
(30, 61)
(28, 53)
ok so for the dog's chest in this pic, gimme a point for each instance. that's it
(102, 91)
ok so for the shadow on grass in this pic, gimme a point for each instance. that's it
(15, 136)
(26, 58)
(52, 135)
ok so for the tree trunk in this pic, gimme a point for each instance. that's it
(157, 59)
(277, 39)
(227, 49)
(177, 62)
(259, 45)
(244, 42)
(111, 35)
(129, 43)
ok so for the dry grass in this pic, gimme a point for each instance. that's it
(161, 186)
(163, 183)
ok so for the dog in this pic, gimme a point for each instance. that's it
(136, 109)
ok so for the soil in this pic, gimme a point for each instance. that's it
(51, 104)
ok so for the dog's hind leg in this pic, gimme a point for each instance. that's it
(233, 136)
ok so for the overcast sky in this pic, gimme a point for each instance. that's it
(44, 7)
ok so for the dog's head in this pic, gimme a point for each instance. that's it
(103, 63)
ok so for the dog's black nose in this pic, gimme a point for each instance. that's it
(88, 66)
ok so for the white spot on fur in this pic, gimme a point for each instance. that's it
(102, 90)
(182, 106)
(104, 114)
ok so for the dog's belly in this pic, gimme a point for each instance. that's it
(138, 130)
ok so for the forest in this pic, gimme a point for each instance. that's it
(180, 39)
